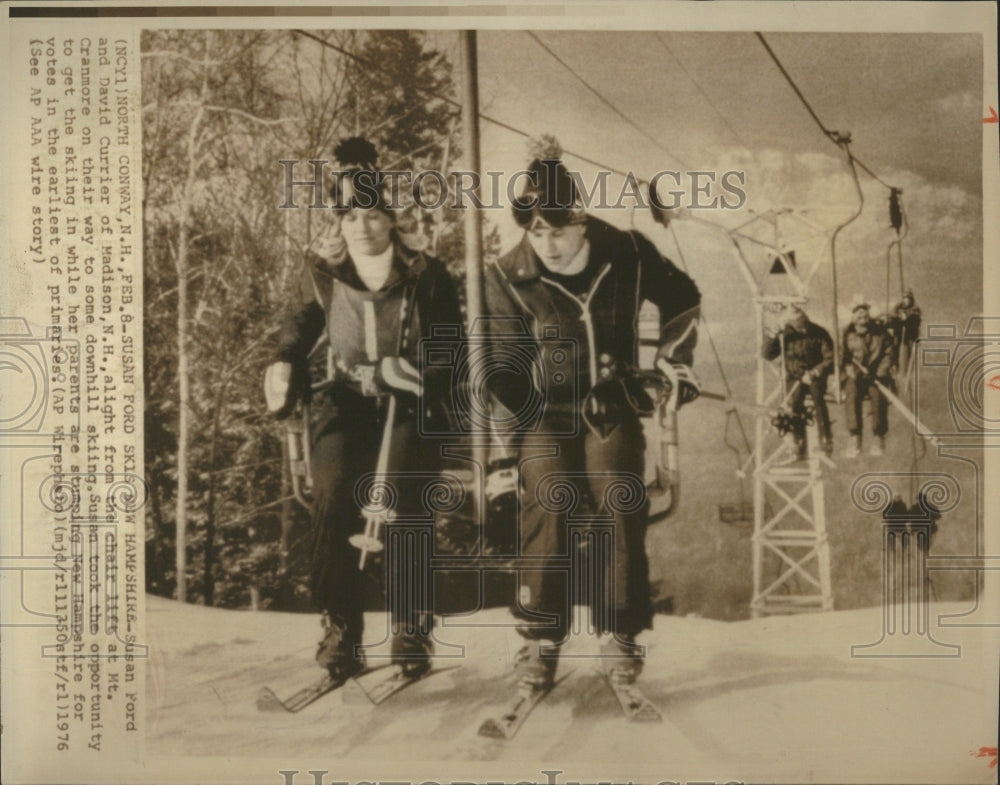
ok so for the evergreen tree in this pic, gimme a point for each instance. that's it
(221, 267)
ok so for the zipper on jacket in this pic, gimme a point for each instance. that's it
(587, 318)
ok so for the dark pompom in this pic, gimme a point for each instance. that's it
(549, 192)
(546, 148)
(356, 152)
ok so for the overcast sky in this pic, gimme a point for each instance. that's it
(912, 103)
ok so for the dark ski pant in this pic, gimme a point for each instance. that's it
(905, 352)
(608, 468)
(854, 397)
(345, 443)
(816, 389)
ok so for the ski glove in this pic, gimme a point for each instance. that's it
(684, 383)
(501, 478)
(284, 385)
(399, 374)
(389, 373)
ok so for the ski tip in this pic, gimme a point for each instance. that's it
(268, 701)
(634, 703)
(352, 692)
(647, 714)
(492, 729)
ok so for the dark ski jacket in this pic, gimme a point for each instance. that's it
(810, 350)
(873, 349)
(907, 322)
(356, 319)
(573, 337)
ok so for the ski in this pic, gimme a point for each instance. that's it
(506, 723)
(268, 700)
(376, 691)
(634, 703)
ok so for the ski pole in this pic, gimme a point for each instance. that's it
(920, 428)
(902, 345)
(911, 352)
(790, 393)
(377, 513)
(750, 408)
(784, 374)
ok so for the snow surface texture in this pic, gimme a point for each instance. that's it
(778, 699)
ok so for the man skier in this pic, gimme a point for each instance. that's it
(806, 350)
(868, 356)
(578, 282)
(375, 298)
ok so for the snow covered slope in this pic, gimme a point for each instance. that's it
(776, 699)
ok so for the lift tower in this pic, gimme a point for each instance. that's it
(791, 551)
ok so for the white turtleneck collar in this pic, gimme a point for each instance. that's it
(374, 270)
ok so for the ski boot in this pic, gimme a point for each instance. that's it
(411, 652)
(535, 664)
(621, 659)
(338, 650)
(853, 449)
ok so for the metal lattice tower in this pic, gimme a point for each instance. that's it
(791, 552)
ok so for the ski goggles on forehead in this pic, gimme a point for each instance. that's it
(577, 217)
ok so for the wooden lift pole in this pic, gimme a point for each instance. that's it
(473, 248)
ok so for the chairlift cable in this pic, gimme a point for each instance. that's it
(625, 118)
(834, 136)
(451, 101)
(725, 121)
